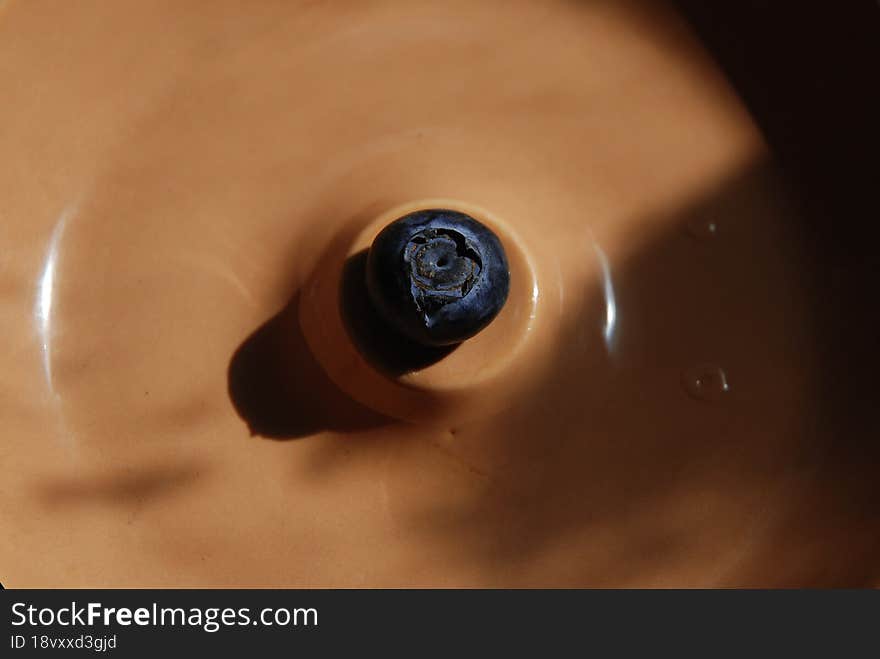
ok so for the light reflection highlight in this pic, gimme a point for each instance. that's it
(46, 294)
(535, 294)
(608, 331)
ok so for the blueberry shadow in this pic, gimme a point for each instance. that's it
(280, 390)
(385, 349)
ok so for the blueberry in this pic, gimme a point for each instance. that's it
(437, 276)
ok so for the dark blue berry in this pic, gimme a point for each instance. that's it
(437, 276)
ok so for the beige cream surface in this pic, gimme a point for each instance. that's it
(172, 172)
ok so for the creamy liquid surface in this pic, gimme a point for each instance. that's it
(170, 175)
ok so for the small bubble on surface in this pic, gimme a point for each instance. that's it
(705, 382)
(703, 229)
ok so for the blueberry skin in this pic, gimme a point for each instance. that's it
(437, 276)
